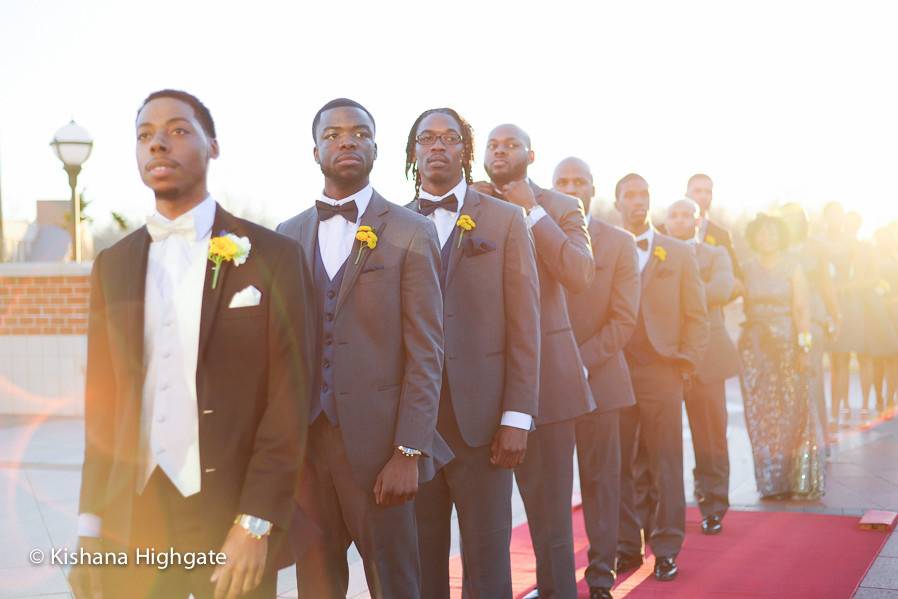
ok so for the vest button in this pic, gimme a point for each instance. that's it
(331, 294)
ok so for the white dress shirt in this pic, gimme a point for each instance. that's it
(644, 255)
(169, 428)
(442, 218)
(536, 213)
(445, 222)
(336, 235)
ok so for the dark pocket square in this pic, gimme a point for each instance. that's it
(372, 268)
(475, 246)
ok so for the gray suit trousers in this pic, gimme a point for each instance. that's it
(598, 458)
(707, 410)
(656, 422)
(339, 512)
(481, 493)
(546, 482)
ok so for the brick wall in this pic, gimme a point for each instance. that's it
(44, 305)
(43, 337)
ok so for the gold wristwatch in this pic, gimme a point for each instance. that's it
(254, 527)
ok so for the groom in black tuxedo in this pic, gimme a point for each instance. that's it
(197, 391)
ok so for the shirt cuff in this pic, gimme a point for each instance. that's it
(586, 372)
(89, 525)
(516, 420)
(534, 216)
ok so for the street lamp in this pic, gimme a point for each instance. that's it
(72, 145)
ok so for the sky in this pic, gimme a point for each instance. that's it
(777, 101)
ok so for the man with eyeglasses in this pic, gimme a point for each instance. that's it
(564, 263)
(491, 372)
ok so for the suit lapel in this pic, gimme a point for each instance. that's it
(374, 218)
(595, 232)
(224, 223)
(136, 281)
(308, 237)
(471, 207)
(703, 256)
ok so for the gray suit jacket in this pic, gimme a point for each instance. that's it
(389, 336)
(491, 319)
(673, 303)
(564, 262)
(604, 315)
(721, 360)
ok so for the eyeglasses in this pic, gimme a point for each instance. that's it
(448, 139)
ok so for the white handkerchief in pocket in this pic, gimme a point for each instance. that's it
(246, 298)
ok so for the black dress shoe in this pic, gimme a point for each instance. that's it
(712, 525)
(627, 562)
(665, 568)
(597, 593)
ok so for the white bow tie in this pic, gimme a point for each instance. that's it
(161, 228)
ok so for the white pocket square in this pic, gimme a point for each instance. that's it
(246, 298)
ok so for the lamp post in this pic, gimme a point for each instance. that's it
(72, 145)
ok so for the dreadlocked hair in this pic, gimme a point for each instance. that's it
(467, 138)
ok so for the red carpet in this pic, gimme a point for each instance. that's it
(760, 555)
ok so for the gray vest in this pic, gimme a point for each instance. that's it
(328, 290)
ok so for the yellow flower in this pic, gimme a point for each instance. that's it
(465, 223)
(710, 240)
(227, 248)
(366, 238)
(660, 253)
(222, 247)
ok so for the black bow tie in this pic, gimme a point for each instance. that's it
(643, 244)
(349, 211)
(426, 207)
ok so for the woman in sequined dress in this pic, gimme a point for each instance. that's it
(783, 426)
(812, 255)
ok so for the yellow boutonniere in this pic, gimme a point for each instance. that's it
(465, 223)
(367, 239)
(227, 248)
(882, 288)
(710, 240)
(660, 253)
